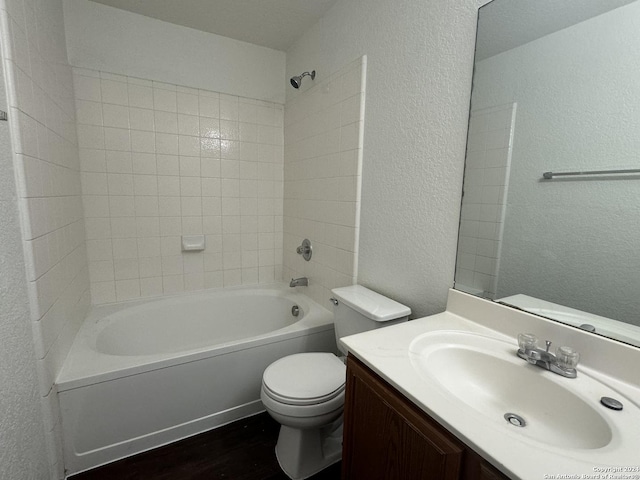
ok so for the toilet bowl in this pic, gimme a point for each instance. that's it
(305, 392)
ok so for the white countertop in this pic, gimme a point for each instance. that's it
(386, 351)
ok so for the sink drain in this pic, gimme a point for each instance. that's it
(514, 419)
(611, 403)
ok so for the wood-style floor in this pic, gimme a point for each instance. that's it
(243, 450)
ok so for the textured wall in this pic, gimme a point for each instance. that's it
(420, 59)
(159, 161)
(22, 447)
(112, 40)
(45, 156)
(572, 242)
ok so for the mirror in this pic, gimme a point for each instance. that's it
(555, 89)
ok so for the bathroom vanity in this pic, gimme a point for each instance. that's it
(387, 436)
(448, 397)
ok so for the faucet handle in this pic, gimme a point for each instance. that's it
(567, 357)
(548, 343)
(306, 250)
(527, 341)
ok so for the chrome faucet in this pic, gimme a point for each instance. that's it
(563, 363)
(299, 282)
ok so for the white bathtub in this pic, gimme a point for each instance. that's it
(145, 373)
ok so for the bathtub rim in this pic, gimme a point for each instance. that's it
(85, 365)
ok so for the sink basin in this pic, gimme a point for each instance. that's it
(485, 374)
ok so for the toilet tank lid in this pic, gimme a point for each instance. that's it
(370, 304)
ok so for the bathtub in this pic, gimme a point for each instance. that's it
(145, 373)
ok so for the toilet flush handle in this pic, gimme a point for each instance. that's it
(334, 301)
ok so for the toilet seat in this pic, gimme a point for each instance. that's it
(305, 379)
(301, 402)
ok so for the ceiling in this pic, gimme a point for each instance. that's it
(276, 24)
(506, 24)
(271, 23)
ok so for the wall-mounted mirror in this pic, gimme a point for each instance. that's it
(556, 89)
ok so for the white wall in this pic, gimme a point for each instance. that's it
(323, 165)
(420, 60)
(486, 177)
(22, 447)
(45, 158)
(108, 39)
(159, 161)
(572, 242)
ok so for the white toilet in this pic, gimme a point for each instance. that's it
(305, 392)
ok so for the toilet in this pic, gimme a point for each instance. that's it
(305, 392)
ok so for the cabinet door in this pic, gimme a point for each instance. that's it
(386, 437)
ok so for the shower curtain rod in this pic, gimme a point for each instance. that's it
(550, 175)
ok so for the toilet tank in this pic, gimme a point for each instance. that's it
(357, 309)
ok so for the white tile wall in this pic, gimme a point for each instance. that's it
(159, 161)
(323, 164)
(42, 124)
(485, 193)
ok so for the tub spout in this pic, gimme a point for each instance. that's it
(299, 282)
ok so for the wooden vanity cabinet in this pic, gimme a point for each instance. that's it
(387, 437)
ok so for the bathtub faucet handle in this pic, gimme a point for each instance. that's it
(306, 250)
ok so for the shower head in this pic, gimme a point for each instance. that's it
(297, 81)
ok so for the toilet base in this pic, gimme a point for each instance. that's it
(302, 453)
